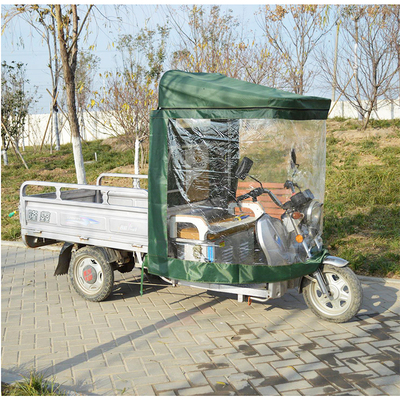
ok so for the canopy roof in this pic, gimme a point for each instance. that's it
(185, 90)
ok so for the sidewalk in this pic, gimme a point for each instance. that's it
(186, 341)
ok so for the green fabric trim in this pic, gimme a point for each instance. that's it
(240, 113)
(232, 273)
(185, 90)
(157, 191)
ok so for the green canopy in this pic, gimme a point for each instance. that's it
(214, 98)
(185, 90)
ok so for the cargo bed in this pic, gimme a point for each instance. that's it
(104, 216)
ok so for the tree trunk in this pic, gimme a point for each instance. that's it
(51, 131)
(69, 67)
(360, 115)
(367, 118)
(83, 130)
(17, 152)
(5, 156)
(55, 88)
(335, 62)
(55, 126)
(136, 181)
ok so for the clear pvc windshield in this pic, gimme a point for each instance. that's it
(206, 221)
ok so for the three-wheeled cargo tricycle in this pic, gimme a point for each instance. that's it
(234, 201)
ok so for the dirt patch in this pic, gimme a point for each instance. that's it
(56, 156)
(52, 172)
(332, 125)
(390, 142)
(368, 159)
(125, 169)
(383, 135)
(118, 144)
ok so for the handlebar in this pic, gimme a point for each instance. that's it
(253, 194)
(290, 185)
(258, 192)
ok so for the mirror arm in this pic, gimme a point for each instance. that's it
(255, 179)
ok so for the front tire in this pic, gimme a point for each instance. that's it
(345, 297)
(91, 274)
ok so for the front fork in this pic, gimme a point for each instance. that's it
(319, 276)
(321, 282)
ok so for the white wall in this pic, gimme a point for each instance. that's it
(35, 128)
(385, 110)
(36, 123)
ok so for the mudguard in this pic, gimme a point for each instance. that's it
(335, 261)
(328, 260)
(63, 259)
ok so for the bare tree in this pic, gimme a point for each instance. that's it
(262, 65)
(85, 72)
(367, 61)
(68, 35)
(394, 37)
(217, 42)
(41, 19)
(68, 31)
(130, 93)
(210, 43)
(47, 21)
(294, 31)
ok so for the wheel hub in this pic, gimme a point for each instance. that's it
(89, 274)
(334, 292)
(339, 298)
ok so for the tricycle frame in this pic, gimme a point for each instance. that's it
(39, 236)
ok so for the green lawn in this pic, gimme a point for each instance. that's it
(362, 201)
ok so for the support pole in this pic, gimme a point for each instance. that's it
(141, 281)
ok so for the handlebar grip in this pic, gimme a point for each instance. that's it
(273, 198)
(289, 185)
(242, 197)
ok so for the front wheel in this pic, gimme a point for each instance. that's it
(91, 274)
(345, 295)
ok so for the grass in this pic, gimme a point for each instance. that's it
(349, 123)
(34, 385)
(362, 201)
(384, 123)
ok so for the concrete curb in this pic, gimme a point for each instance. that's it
(362, 278)
(22, 245)
(378, 280)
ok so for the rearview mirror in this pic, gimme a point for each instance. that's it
(244, 168)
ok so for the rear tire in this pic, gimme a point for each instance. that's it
(91, 274)
(345, 297)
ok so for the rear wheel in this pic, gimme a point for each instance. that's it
(91, 274)
(345, 295)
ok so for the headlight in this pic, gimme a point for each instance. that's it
(314, 214)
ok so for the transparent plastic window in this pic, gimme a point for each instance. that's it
(205, 220)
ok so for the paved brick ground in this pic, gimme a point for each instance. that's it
(182, 341)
